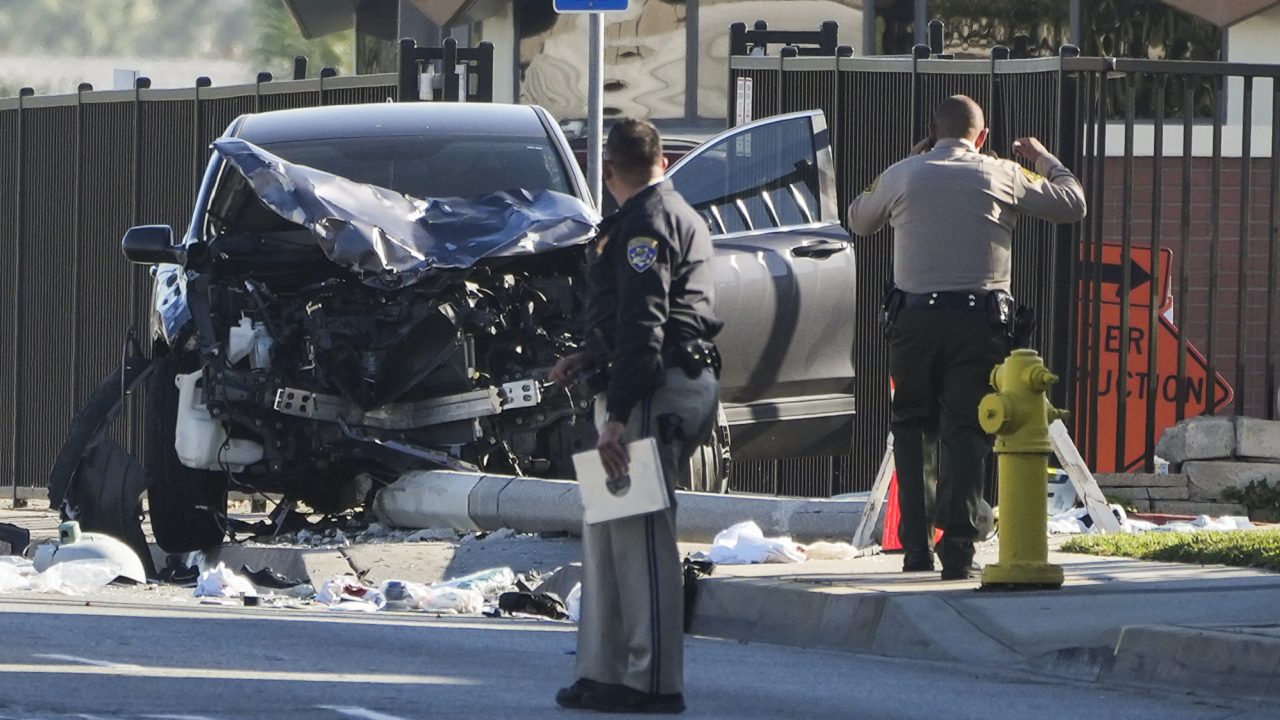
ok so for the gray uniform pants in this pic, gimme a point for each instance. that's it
(631, 623)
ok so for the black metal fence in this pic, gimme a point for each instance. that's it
(1171, 280)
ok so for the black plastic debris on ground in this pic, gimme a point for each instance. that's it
(268, 578)
(693, 569)
(533, 603)
(176, 572)
(16, 538)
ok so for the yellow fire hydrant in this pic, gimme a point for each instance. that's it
(1019, 416)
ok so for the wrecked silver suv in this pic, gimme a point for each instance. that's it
(366, 290)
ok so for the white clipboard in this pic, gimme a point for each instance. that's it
(642, 490)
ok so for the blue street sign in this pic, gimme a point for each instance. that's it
(590, 6)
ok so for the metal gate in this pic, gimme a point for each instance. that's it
(1216, 213)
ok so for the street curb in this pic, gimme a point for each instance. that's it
(918, 626)
(1221, 661)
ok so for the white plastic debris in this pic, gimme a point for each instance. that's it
(502, 534)
(93, 546)
(346, 593)
(823, 550)
(1204, 522)
(745, 543)
(76, 577)
(15, 573)
(402, 594)
(486, 582)
(573, 603)
(223, 582)
(452, 599)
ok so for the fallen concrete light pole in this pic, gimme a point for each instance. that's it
(477, 501)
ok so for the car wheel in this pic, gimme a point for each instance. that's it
(96, 482)
(188, 507)
(708, 468)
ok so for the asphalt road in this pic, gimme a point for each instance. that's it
(157, 656)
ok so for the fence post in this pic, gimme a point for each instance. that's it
(300, 67)
(76, 240)
(198, 146)
(409, 74)
(19, 234)
(1068, 245)
(450, 93)
(263, 77)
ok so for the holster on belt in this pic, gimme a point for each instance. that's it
(1018, 321)
(890, 304)
(693, 356)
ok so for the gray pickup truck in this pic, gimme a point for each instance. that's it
(370, 289)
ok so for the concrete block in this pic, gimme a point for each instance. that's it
(1110, 480)
(1198, 438)
(1184, 507)
(1169, 493)
(1208, 479)
(1135, 494)
(1257, 439)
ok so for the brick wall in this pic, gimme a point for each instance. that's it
(1231, 307)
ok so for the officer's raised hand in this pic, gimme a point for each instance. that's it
(1029, 148)
(613, 453)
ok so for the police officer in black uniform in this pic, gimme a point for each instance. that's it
(953, 210)
(650, 318)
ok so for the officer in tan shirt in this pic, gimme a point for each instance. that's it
(953, 210)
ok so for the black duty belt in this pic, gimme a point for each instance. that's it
(947, 300)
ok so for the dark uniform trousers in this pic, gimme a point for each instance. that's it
(631, 623)
(941, 361)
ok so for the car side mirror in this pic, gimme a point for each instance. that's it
(151, 245)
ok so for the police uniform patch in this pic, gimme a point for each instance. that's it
(642, 252)
(1032, 175)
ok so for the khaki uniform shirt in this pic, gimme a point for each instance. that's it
(953, 210)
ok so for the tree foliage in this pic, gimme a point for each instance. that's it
(260, 32)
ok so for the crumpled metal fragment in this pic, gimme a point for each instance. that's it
(392, 240)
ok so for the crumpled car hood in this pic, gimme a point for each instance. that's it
(392, 240)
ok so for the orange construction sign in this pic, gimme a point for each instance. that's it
(1194, 390)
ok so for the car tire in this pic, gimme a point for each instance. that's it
(188, 507)
(96, 482)
(708, 468)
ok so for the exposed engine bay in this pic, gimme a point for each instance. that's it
(311, 373)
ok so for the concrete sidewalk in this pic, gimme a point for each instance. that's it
(1209, 629)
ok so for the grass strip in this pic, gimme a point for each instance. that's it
(1241, 548)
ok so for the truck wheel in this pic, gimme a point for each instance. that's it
(708, 469)
(188, 507)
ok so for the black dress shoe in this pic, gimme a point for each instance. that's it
(622, 699)
(917, 561)
(571, 697)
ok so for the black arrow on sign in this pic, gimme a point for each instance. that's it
(1138, 275)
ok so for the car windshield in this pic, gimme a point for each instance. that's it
(433, 166)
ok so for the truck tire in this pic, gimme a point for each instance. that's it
(708, 468)
(188, 507)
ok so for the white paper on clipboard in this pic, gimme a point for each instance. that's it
(642, 490)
